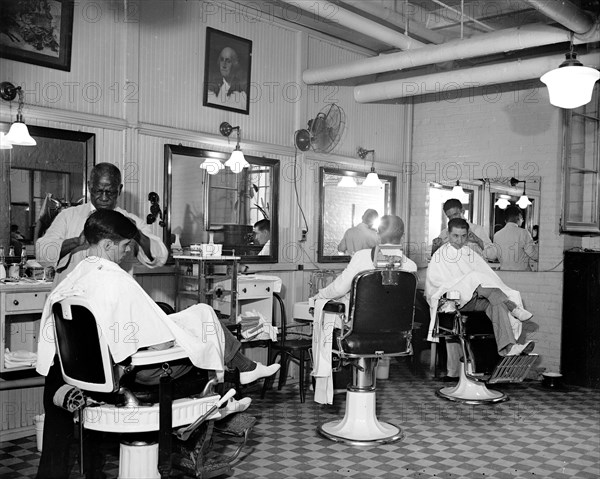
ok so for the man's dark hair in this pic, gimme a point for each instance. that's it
(391, 229)
(458, 223)
(108, 169)
(108, 224)
(452, 203)
(512, 213)
(263, 225)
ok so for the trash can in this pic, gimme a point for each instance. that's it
(383, 369)
(39, 430)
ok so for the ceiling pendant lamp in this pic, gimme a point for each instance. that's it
(459, 193)
(18, 134)
(571, 84)
(372, 179)
(502, 202)
(236, 161)
(347, 182)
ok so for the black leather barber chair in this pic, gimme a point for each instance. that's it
(481, 363)
(178, 421)
(378, 324)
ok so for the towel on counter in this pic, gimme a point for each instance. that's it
(19, 359)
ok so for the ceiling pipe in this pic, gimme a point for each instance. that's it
(565, 13)
(527, 36)
(415, 28)
(469, 78)
(330, 12)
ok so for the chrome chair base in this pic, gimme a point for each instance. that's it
(360, 426)
(468, 391)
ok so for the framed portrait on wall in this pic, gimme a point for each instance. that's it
(38, 32)
(227, 66)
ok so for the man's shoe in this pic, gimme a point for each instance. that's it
(233, 406)
(260, 371)
(521, 314)
(517, 349)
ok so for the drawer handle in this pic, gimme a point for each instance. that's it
(268, 289)
(244, 290)
(16, 302)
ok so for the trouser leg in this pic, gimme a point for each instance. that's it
(498, 314)
(453, 352)
(232, 345)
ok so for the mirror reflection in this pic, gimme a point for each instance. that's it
(238, 211)
(46, 178)
(350, 212)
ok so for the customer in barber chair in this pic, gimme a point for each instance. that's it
(456, 267)
(391, 231)
(130, 320)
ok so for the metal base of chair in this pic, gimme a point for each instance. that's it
(360, 426)
(138, 459)
(468, 391)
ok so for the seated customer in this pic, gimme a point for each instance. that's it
(391, 231)
(456, 267)
(129, 319)
(262, 234)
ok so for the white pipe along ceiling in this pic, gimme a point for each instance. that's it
(586, 28)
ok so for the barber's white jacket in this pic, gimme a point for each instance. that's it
(129, 319)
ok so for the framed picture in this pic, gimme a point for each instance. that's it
(38, 32)
(227, 71)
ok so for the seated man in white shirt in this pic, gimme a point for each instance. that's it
(456, 267)
(262, 235)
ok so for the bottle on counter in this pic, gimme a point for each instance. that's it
(2, 263)
(23, 263)
(11, 251)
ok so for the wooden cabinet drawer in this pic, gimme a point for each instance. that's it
(25, 301)
(254, 289)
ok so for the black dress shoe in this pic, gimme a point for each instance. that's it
(450, 379)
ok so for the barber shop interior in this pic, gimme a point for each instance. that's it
(300, 239)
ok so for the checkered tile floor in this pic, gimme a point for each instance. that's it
(538, 434)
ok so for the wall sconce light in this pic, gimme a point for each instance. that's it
(347, 182)
(212, 166)
(372, 178)
(571, 84)
(459, 193)
(503, 202)
(523, 202)
(4, 143)
(236, 161)
(18, 133)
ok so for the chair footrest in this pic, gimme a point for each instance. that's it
(236, 424)
(513, 369)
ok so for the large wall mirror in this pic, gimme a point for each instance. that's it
(225, 205)
(44, 179)
(342, 207)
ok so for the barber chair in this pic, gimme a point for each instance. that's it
(182, 419)
(482, 364)
(378, 324)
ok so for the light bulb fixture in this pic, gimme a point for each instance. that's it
(4, 143)
(347, 182)
(212, 166)
(523, 202)
(18, 133)
(372, 179)
(502, 202)
(236, 161)
(571, 84)
(459, 193)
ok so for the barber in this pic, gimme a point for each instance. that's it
(64, 246)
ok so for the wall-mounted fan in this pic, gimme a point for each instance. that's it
(323, 132)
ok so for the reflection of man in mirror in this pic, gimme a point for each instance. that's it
(515, 245)
(361, 236)
(228, 85)
(262, 234)
(478, 240)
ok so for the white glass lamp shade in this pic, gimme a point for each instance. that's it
(459, 194)
(347, 182)
(236, 161)
(19, 135)
(4, 143)
(502, 203)
(523, 202)
(372, 179)
(212, 166)
(570, 86)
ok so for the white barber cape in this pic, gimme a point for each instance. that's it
(462, 270)
(129, 319)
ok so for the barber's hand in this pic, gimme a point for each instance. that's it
(473, 238)
(437, 242)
